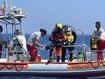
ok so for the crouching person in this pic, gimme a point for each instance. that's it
(33, 43)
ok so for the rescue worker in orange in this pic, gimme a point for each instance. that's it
(56, 42)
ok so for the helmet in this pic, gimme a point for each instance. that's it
(59, 25)
(69, 28)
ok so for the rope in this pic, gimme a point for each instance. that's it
(102, 63)
(10, 67)
(94, 66)
(2, 67)
(18, 67)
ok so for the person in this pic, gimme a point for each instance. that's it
(56, 42)
(69, 38)
(33, 43)
(97, 35)
(18, 46)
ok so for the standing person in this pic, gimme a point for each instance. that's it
(56, 42)
(17, 46)
(69, 38)
(13, 44)
(98, 35)
(33, 42)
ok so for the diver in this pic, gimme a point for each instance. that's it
(69, 38)
(56, 43)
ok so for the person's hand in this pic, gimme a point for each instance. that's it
(95, 37)
(92, 36)
(47, 47)
(60, 40)
(42, 46)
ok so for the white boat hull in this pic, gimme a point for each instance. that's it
(70, 69)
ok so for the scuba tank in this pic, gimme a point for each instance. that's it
(93, 43)
(80, 57)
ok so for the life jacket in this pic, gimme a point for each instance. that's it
(93, 44)
(70, 37)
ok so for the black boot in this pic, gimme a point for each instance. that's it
(58, 58)
(49, 60)
(71, 56)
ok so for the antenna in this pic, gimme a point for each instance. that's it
(11, 7)
(10, 2)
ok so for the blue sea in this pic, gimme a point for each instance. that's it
(45, 54)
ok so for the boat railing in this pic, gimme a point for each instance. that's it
(76, 45)
(87, 53)
(84, 56)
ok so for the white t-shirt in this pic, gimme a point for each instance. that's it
(98, 33)
(102, 36)
(36, 35)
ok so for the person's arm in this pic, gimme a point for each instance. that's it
(94, 36)
(64, 37)
(36, 42)
(11, 45)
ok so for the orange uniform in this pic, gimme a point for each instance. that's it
(56, 43)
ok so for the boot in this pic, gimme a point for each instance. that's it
(58, 58)
(49, 60)
(71, 56)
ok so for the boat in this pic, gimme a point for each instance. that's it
(10, 67)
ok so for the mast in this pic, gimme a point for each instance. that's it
(10, 4)
(13, 17)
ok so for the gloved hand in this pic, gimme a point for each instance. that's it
(47, 47)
